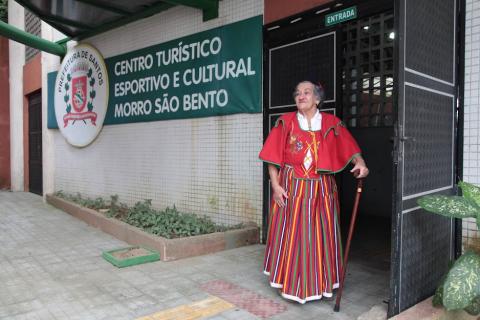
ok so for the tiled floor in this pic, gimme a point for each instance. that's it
(51, 268)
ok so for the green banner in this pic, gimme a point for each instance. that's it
(215, 72)
(211, 73)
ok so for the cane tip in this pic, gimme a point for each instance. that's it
(336, 308)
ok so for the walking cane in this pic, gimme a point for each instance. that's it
(347, 248)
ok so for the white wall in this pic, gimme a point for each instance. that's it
(16, 62)
(205, 166)
(471, 162)
(50, 63)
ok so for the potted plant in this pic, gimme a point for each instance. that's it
(460, 287)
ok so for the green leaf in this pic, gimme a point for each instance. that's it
(478, 221)
(437, 300)
(474, 307)
(470, 192)
(169, 223)
(449, 206)
(463, 282)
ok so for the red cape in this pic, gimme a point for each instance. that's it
(334, 153)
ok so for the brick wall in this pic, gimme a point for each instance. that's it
(207, 166)
(277, 10)
(471, 163)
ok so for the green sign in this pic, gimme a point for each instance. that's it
(341, 16)
(215, 72)
(211, 73)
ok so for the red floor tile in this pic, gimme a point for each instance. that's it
(244, 298)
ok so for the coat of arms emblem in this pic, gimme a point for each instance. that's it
(81, 95)
(80, 88)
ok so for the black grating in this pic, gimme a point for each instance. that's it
(428, 148)
(430, 31)
(426, 248)
(309, 59)
(290, 59)
(33, 26)
(425, 145)
(367, 50)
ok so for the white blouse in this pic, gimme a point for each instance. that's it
(316, 121)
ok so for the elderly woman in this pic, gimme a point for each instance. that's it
(304, 150)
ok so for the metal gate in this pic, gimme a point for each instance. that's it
(426, 83)
(35, 167)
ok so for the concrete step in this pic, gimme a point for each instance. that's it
(425, 311)
(377, 312)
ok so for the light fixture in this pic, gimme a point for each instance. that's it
(391, 35)
(366, 28)
(273, 28)
(296, 20)
(323, 10)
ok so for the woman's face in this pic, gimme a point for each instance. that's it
(304, 97)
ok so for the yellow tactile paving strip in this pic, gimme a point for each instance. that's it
(196, 310)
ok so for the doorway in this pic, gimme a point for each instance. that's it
(367, 108)
(354, 63)
(35, 167)
(398, 95)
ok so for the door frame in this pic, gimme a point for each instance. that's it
(28, 142)
(329, 106)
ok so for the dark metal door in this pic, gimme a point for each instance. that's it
(35, 143)
(424, 151)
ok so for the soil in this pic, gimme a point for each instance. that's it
(130, 253)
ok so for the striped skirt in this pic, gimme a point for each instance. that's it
(303, 254)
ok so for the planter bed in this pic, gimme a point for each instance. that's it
(169, 249)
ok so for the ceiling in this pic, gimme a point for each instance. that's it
(81, 19)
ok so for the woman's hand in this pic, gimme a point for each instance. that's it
(279, 195)
(359, 169)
